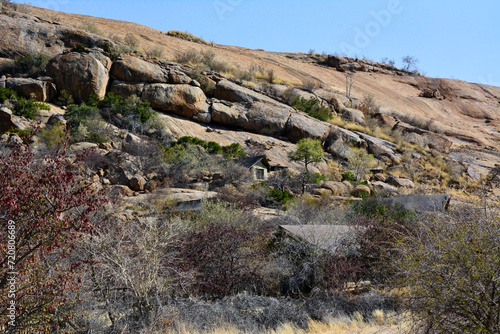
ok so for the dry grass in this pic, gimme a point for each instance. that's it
(376, 131)
(187, 37)
(380, 321)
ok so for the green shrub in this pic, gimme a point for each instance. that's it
(87, 124)
(229, 152)
(233, 151)
(313, 108)
(117, 50)
(32, 63)
(22, 107)
(80, 48)
(373, 209)
(318, 177)
(213, 148)
(77, 114)
(348, 176)
(280, 196)
(29, 108)
(7, 93)
(132, 107)
(53, 136)
(65, 98)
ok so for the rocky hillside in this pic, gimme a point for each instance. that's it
(247, 96)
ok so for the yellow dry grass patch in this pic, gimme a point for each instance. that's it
(380, 322)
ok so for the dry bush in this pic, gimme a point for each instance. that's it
(131, 271)
(245, 313)
(310, 85)
(187, 36)
(156, 52)
(131, 40)
(450, 271)
(91, 27)
(368, 106)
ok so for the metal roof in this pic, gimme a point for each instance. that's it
(326, 237)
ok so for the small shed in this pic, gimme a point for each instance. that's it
(258, 166)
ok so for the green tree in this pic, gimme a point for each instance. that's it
(309, 151)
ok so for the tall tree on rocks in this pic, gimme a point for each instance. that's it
(309, 151)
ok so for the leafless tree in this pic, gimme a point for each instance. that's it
(410, 63)
(131, 272)
(349, 81)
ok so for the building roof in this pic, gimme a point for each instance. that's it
(252, 161)
(326, 237)
(439, 202)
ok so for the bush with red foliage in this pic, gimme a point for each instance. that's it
(224, 260)
(50, 207)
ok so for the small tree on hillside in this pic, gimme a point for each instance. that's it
(410, 63)
(308, 150)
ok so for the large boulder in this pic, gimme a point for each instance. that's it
(360, 190)
(8, 121)
(184, 100)
(301, 126)
(382, 186)
(56, 119)
(257, 117)
(126, 89)
(133, 69)
(400, 182)
(32, 88)
(229, 91)
(336, 188)
(339, 140)
(80, 74)
(137, 183)
(380, 147)
(354, 115)
(430, 139)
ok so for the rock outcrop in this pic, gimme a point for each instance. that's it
(32, 88)
(80, 74)
(430, 139)
(256, 117)
(300, 126)
(133, 69)
(185, 100)
(8, 121)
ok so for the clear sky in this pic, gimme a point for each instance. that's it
(451, 38)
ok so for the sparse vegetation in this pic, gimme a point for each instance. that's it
(91, 27)
(131, 40)
(313, 108)
(187, 36)
(32, 63)
(409, 63)
(22, 106)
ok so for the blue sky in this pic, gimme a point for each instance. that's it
(451, 38)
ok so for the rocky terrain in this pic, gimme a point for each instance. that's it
(464, 113)
(160, 120)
